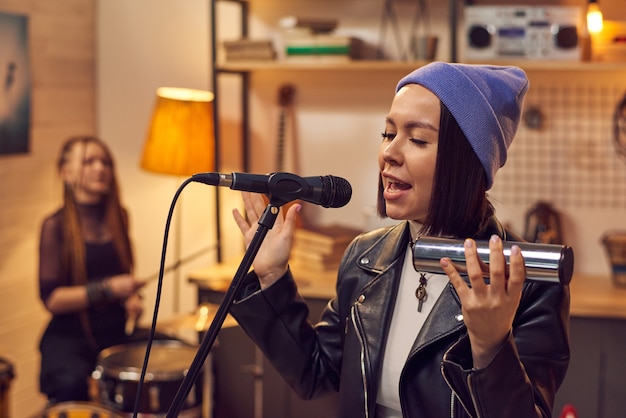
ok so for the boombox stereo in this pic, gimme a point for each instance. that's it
(523, 32)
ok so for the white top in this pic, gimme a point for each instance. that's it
(406, 323)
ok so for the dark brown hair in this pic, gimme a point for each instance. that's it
(115, 218)
(459, 206)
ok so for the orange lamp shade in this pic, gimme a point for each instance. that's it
(180, 138)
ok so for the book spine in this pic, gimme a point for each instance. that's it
(317, 50)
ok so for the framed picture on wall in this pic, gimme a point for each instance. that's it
(15, 84)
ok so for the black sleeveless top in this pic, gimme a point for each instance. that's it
(107, 321)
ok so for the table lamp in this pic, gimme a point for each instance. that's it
(180, 141)
(180, 138)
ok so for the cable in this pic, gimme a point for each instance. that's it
(157, 300)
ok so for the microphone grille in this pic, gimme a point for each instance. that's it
(336, 192)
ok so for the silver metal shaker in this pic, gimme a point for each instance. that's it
(544, 262)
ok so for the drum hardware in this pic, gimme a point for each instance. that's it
(265, 224)
(80, 410)
(118, 371)
(200, 320)
(153, 394)
(119, 393)
(131, 321)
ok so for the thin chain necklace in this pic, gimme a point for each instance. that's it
(420, 291)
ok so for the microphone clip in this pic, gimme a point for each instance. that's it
(286, 187)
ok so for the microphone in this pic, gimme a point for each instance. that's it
(544, 262)
(327, 191)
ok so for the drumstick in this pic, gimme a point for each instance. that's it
(178, 263)
(131, 321)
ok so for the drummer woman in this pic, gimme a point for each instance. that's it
(84, 271)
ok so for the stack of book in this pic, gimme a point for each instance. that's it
(321, 248)
(308, 25)
(248, 50)
(314, 40)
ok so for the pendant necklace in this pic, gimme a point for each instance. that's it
(420, 291)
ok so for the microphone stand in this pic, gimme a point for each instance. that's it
(266, 222)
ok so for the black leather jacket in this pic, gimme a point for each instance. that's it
(344, 350)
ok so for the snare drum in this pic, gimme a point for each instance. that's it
(118, 372)
(80, 410)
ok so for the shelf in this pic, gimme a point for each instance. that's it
(381, 65)
(564, 66)
(356, 65)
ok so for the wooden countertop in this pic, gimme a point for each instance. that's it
(311, 284)
(597, 297)
(591, 296)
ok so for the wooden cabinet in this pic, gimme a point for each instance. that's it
(245, 383)
(594, 384)
(595, 379)
(247, 386)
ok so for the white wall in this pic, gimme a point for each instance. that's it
(143, 45)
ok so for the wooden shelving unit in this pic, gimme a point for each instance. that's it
(597, 308)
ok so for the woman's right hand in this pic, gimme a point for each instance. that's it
(124, 285)
(271, 261)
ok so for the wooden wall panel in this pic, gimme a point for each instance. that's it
(62, 60)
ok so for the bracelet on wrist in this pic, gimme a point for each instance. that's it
(99, 292)
(95, 293)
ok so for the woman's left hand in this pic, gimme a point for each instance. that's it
(133, 305)
(488, 308)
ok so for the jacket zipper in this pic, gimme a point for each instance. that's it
(357, 331)
(451, 404)
(453, 395)
(469, 385)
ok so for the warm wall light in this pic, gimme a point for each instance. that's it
(595, 21)
(180, 138)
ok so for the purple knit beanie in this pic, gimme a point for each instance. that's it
(486, 101)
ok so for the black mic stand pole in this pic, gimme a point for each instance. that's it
(266, 222)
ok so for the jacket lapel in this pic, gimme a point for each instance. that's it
(386, 259)
(446, 316)
(444, 319)
(383, 262)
